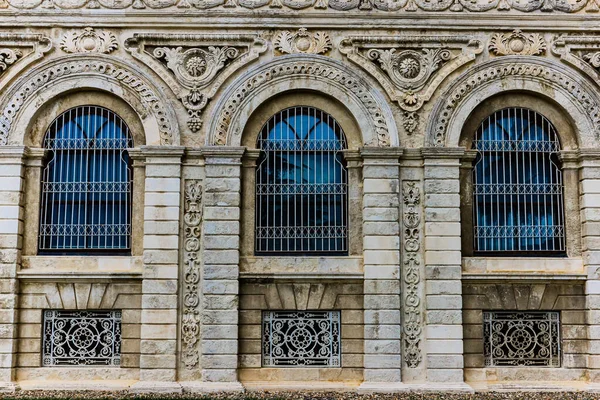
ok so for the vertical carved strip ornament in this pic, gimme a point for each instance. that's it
(412, 243)
(190, 324)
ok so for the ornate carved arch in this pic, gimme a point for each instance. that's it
(546, 78)
(304, 72)
(99, 72)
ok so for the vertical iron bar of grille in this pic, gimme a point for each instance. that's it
(517, 184)
(301, 184)
(86, 183)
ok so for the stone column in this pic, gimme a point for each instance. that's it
(158, 344)
(589, 188)
(381, 242)
(444, 331)
(11, 239)
(220, 268)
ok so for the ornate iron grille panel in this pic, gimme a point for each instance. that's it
(515, 339)
(301, 184)
(301, 339)
(81, 338)
(86, 183)
(518, 186)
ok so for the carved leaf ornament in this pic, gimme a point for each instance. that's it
(517, 43)
(8, 57)
(89, 41)
(302, 42)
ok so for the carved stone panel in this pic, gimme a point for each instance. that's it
(195, 66)
(89, 40)
(517, 43)
(410, 68)
(21, 48)
(302, 41)
(582, 52)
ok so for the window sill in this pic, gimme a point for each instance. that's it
(81, 267)
(349, 267)
(522, 266)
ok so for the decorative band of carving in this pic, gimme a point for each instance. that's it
(412, 243)
(190, 324)
(308, 69)
(548, 76)
(108, 69)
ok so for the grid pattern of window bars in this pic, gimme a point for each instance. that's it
(86, 183)
(301, 184)
(521, 338)
(518, 186)
(301, 339)
(81, 338)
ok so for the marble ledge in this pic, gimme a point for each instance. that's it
(523, 277)
(69, 276)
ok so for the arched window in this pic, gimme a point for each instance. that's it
(86, 183)
(518, 186)
(301, 185)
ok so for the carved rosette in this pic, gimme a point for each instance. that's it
(8, 57)
(190, 322)
(410, 68)
(413, 325)
(517, 43)
(89, 41)
(195, 66)
(302, 42)
(391, 6)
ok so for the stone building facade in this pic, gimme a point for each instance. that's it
(428, 217)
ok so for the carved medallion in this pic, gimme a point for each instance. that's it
(410, 68)
(517, 43)
(89, 41)
(199, 64)
(302, 42)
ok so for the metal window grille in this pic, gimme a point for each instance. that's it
(301, 339)
(86, 183)
(301, 184)
(81, 338)
(518, 185)
(521, 339)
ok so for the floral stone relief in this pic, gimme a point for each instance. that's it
(89, 41)
(302, 42)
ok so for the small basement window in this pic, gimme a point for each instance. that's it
(521, 338)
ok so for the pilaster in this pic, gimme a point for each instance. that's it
(11, 241)
(220, 265)
(381, 242)
(444, 331)
(158, 345)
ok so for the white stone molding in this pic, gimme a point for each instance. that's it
(524, 73)
(581, 52)
(412, 323)
(309, 72)
(17, 50)
(302, 41)
(387, 6)
(89, 40)
(60, 75)
(195, 66)
(190, 321)
(410, 68)
(517, 43)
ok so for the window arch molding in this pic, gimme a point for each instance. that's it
(34, 138)
(252, 130)
(566, 132)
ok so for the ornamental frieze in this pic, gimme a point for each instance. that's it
(521, 6)
(195, 66)
(21, 48)
(410, 68)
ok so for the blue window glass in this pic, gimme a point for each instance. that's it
(301, 184)
(518, 186)
(86, 183)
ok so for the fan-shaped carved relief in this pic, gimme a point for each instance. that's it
(302, 41)
(410, 68)
(195, 66)
(89, 41)
(21, 49)
(517, 43)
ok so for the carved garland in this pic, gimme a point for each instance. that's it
(301, 69)
(412, 243)
(104, 68)
(490, 74)
(190, 324)
(527, 6)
